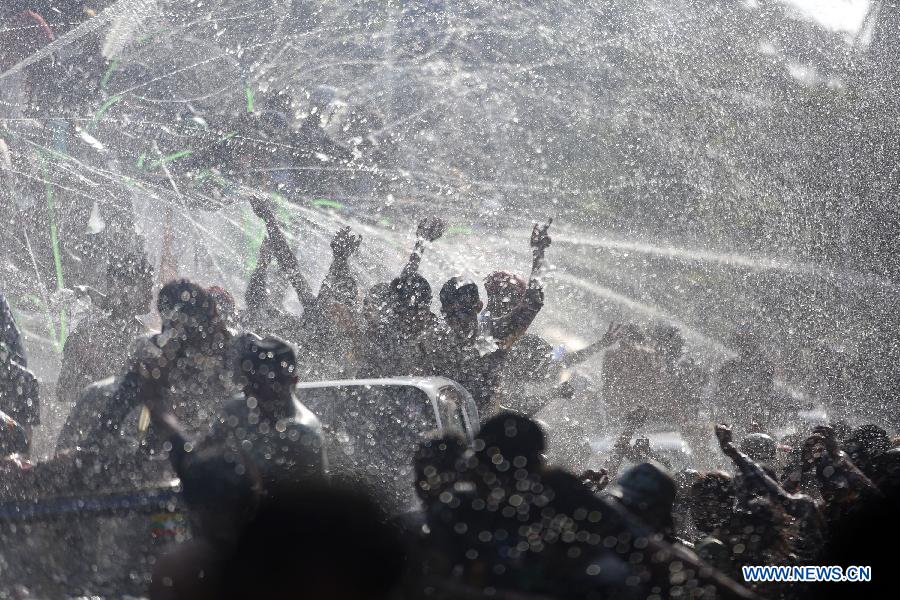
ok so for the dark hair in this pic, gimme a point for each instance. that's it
(513, 434)
(268, 362)
(187, 297)
(411, 292)
(460, 291)
(224, 300)
(510, 285)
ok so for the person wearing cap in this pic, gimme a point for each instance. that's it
(648, 491)
(266, 421)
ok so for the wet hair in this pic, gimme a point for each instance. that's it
(666, 336)
(870, 439)
(225, 304)
(459, 291)
(509, 287)
(188, 298)
(266, 363)
(513, 435)
(411, 292)
(759, 447)
(631, 332)
(648, 490)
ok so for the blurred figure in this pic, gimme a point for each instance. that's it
(745, 386)
(266, 421)
(680, 381)
(99, 345)
(648, 491)
(627, 373)
(19, 389)
(460, 349)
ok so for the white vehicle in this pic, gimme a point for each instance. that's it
(373, 426)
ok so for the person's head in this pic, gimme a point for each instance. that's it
(865, 443)
(129, 283)
(648, 491)
(712, 500)
(221, 490)
(188, 312)
(437, 464)
(759, 447)
(460, 305)
(504, 291)
(667, 341)
(224, 304)
(412, 303)
(641, 447)
(513, 440)
(315, 541)
(267, 368)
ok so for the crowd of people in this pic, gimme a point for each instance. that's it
(210, 397)
(513, 508)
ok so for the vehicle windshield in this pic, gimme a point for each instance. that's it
(373, 431)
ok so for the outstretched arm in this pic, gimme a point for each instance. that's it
(511, 327)
(282, 250)
(609, 338)
(430, 229)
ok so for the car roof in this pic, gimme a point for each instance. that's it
(432, 384)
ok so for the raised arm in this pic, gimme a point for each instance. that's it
(612, 335)
(633, 420)
(339, 284)
(256, 295)
(282, 250)
(508, 328)
(832, 464)
(430, 229)
(749, 468)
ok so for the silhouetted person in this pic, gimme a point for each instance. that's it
(746, 385)
(266, 421)
(99, 345)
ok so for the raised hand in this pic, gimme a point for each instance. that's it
(261, 207)
(540, 239)
(596, 481)
(345, 243)
(724, 435)
(431, 228)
